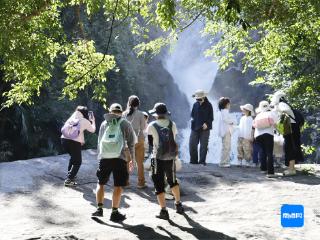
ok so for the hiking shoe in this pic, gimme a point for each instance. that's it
(289, 172)
(69, 182)
(142, 186)
(271, 176)
(98, 213)
(163, 215)
(179, 208)
(224, 165)
(117, 217)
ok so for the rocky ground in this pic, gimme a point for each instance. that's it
(220, 204)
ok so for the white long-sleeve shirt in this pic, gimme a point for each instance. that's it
(85, 124)
(245, 127)
(225, 122)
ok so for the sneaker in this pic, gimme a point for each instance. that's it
(168, 196)
(98, 213)
(179, 208)
(142, 186)
(117, 217)
(69, 182)
(163, 215)
(239, 163)
(271, 176)
(224, 165)
(289, 172)
(264, 172)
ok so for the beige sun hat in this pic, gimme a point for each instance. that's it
(115, 107)
(200, 94)
(248, 107)
(264, 106)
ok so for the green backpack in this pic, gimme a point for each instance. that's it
(284, 125)
(112, 141)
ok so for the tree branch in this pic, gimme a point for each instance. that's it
(104, 55)
(36, 12)
(193, 20)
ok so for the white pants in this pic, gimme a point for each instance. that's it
(226, 148)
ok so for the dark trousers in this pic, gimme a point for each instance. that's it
(201, 136)
(73, 148)
(257, 153)
(266, 143)
(160, 170)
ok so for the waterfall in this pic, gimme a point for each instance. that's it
(191, 70)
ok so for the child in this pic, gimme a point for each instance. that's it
(245, 137)
(226, 121)
(161, 135)
(278, 152)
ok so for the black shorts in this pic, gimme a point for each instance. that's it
(116, 166)
(160, 170)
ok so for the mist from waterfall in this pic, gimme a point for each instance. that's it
(191, 70)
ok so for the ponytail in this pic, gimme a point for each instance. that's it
(133, 102)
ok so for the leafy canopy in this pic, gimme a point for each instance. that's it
(279, 39)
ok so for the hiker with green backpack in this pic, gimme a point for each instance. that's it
(115, 133)
(289, 125)
(162, 139)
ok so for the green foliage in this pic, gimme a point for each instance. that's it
(278, 39)
(83, 66)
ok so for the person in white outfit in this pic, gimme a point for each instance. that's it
(264, 125)
(225, 127)
(245, 137)
(73, 145)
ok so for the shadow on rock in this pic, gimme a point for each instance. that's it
(141, 231)
(200, 232)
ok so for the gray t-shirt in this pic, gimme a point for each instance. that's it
(138, 123)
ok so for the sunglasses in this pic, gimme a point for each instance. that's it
(199, 99)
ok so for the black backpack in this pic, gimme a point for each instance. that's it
(298, 117)
(167, 149)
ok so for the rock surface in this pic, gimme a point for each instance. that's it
(229, 204)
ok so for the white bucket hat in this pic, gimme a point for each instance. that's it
(264, 106)
(200, 94)
(115, 107)
(248, 107)
(276, 97)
